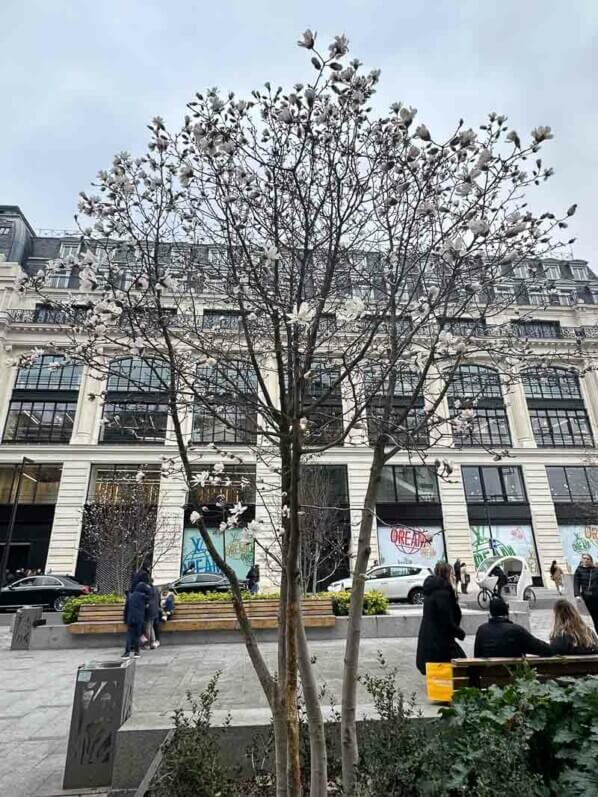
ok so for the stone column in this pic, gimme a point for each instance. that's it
(68, 517)
(89, 409)
(358, 473)
(589, 391)
(457, 535)
(519, 420)
(544, 521)
(168, 544)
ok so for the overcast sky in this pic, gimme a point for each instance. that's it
(79, 79)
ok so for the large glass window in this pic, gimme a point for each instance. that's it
(117, 484)
(478, 387)
(48, 373)
(39, 421)
(405, 424)
(556, 408)
(39, 484)
(408, 484)
(493, 485)
(136, 409)
(327, 417)
(574, 484)
(226, 405)
(221, 319)
(537, 329)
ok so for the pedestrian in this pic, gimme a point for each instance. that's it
(152, 617)
(253, 579)
(570, 636)
(585, 586)
(501, 638)
(441, 619)
(168, 604)
(189, 570)
(140, 576)
(556, 574)
(465, 578)
(457, 572)
(134, 616)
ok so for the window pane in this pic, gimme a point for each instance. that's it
(593, 479)
(492, 485)
(473, 484)
(118, 483)
(561, 427)
(558, 484)
(427, 487)
(40, 421)
(578, 484)
(386, 488)
(405, 482)
(44, 375)
(134, 422)
(7, 486)
(236, 483)
(513, 481)
(135, 375)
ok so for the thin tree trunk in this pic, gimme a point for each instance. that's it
(280, 716)
(349, 746)
(317, 731)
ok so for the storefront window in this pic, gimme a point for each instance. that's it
(115, 484)
(39, 484)
(493, 485)
(407, 484)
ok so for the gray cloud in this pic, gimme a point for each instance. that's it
(79, 81)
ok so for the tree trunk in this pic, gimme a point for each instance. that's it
(349, 747)
(317, 731)
(280, 715)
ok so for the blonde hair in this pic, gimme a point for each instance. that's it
(568, 622)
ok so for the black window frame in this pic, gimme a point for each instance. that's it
(58, 432)
(551, 474)
(327, 419)
(480, 383)
(40, 378)
(500, 469)
(546, 330)
(413, 470)
(215, 384)
(550, 435)
(407, 429)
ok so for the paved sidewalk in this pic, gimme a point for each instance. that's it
(37, 691)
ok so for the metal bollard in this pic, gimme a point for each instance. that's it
(26, 618)
(103, 702)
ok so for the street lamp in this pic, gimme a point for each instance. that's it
(11, 522)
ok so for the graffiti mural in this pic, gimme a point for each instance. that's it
(409, 545)
(514, 540)
(231, 544)
(578, 539)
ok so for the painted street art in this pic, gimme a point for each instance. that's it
(410, 545)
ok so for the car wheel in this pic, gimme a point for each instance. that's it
(416, 596)
(59, 603)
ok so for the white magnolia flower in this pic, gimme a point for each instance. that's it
(542, 133)
(463, 189)
(352, 309)
(307, 40)
(218, 467)
(303, 424)
(194, 517)
(484, 157)
(467, 137)
(271, 254)
(339, 47)
(139, 476)
(512, 136)
(421, 131)
(479, 227)
(285, 116)
(303, 315)
(515, 229)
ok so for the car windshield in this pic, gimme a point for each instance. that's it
(489, 563)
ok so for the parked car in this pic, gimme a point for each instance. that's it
(397, 582)
(51, 591)
(202, 582)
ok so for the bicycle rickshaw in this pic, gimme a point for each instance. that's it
(519, 580)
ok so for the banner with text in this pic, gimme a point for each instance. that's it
(410, 545)
(578, 539)
(513, 540)
(237, 552)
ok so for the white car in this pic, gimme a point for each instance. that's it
(397, 582)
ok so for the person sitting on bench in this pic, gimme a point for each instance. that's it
(501, 638)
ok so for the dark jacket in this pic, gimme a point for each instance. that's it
(585, 581)
(141, 576)
(168, 604)
(440, 624)
(153, 607)
(563, 645)
(501, 638)
(136, 604)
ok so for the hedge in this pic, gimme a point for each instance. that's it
(373, 602)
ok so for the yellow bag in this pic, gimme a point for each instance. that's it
(439, 682)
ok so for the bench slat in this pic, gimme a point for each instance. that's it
(207, 624)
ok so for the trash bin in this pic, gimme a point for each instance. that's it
(102, 703)
(26, 618)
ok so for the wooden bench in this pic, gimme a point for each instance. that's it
(482, 673)
(217, 616)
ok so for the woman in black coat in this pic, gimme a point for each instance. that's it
(441, 619)
(585, 586)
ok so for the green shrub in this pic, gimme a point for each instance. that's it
(373, 603)
(70, 613)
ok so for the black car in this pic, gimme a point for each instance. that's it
(50, 591)
(201, 582)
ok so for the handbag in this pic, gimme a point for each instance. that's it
(439, 682)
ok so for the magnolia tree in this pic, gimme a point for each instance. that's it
(300, 273)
